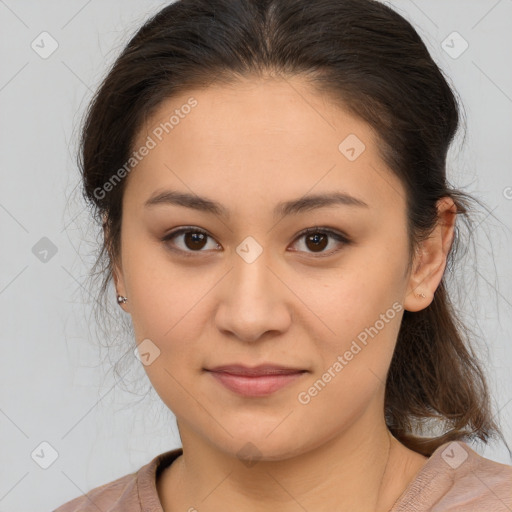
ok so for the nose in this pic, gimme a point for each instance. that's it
(253, 301)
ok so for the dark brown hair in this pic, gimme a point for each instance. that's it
(373, 63)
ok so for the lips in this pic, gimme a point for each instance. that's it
(256, 381)
(256, 371)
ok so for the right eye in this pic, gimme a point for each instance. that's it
(194, 240)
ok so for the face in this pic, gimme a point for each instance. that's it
(244, 284)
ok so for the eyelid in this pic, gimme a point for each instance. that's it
(338, 235)
(333, 233)
(182, 230)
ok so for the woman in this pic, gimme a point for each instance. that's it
(271, 178)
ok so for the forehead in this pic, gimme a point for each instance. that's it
(258, 108)
(266, 136)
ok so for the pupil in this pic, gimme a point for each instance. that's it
(193, 239)
(315, 240)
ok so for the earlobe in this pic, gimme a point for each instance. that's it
(430, 259)
(116, 271)
(119, 287)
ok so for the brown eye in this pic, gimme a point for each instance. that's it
(316, 242)
(193, 240)
(317, 239)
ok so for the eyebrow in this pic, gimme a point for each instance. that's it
(285, 208)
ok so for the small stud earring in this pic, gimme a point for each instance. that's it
(422, 295)
(121, 299)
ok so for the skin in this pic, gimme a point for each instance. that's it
(249, 146)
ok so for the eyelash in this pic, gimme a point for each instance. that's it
(343, 239)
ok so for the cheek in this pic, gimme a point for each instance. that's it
(169, 308)
(354, 361)
(174, 330)
(353, 297)
(159, 292)
(169, 312)
(358, 313)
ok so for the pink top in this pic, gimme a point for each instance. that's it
(454, 478)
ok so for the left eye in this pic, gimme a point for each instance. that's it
(316, 239)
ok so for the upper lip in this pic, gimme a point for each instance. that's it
(262, 369)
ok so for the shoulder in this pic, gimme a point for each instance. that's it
(104, 496)
(478, 483)
(457, 478)
(132, 492)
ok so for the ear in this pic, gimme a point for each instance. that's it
(430, 258)
(116, 269)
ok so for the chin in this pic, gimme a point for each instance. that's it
(252, 447)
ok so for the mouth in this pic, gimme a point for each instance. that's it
(255, 371)
(257, 381)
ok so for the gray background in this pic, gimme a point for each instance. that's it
(57, 386)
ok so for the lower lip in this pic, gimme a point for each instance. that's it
(255, 386)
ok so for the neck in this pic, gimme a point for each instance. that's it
(364, 469)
